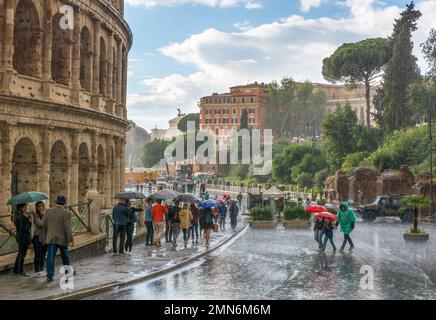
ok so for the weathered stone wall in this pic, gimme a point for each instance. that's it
(396, 182)
(330, 188)
(365, 181)
(62, 99)
(342, 186)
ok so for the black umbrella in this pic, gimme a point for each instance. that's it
(129, 195)
(164, 195)
(187, 198)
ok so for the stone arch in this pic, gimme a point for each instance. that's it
(84, 171)
(101, 167)
(85, 59)
(124, 75)
(102, 69)
(24, 171)
(61, 52)
(27, 39)
(114, 73)
(59, 171)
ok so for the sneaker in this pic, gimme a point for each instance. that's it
(129, 253)
(114, 254)
(40, 274)
(49, 279)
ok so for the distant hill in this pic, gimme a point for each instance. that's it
(136, 138)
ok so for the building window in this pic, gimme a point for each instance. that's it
(251, 111)
(234, 111)
(243, 100)
(251, 100)
(234, 100)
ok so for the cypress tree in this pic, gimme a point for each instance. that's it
(401, 71)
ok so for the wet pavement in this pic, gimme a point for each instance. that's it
(285, 264)
(107, 269)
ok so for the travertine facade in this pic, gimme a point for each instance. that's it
(62, 98)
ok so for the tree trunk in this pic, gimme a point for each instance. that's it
(368, 102)
(415, 220)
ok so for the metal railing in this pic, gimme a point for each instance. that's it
(81, 219)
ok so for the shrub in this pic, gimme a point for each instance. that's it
(261, 214)
(322, 202)
(332, 210)
(296, 213)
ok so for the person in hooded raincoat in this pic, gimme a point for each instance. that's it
(346, 220)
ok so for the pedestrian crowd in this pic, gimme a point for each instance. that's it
(167, 220)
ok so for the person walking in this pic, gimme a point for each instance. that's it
(158, 213)
(23, 226)
(234, 210)
(318, 229)
(223, 216)
(130, 226)
(57, 224)
(328, 230)
(185, 223)
(194, 223)
(39, 239)
(149, 223)
(174, 218)
(207, 224)
(119, 214)
(346, 219)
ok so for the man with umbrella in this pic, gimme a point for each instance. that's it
(119, 214)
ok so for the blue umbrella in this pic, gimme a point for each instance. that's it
(27, 197)
(210, 204)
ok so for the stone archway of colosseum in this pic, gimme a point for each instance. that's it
(61, 52)
(24, 167)
(59, 171)
(101, 171)
(27, 56)
(85, 59)
(84, 171)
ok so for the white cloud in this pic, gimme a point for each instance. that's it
(294, 46)
(211, 3)
(306, 5)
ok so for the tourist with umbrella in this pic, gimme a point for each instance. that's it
(328, 229)
(174, 221)
(149, 223)
(38, 239)
(23, 225)
(195, 221)
(223, 216)
(130, 226)
(346, 219)
(186, 217)
(207, 223)
(234, 210)
(23, 237)
(119, 215)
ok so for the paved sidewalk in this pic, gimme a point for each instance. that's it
(109, 271)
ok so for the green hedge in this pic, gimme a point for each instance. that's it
(296, 213)
(261, 214)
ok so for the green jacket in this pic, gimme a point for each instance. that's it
(346, 219)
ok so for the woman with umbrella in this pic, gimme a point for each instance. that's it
(38, 239)
(23, 237)
(328, 229)
(207, 224)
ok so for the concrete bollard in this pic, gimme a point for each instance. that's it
(95, 209)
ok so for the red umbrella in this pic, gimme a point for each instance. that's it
(316, 208)
(328, 215)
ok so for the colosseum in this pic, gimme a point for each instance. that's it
(63, 112)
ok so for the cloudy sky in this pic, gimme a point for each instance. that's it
(186, 49)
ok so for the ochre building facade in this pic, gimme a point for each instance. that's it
(63, 112)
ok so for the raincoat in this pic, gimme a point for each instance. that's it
(346, 219)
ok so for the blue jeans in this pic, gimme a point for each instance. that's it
(347, 238)
(329, 238)
(318, 237)
(52, 249)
